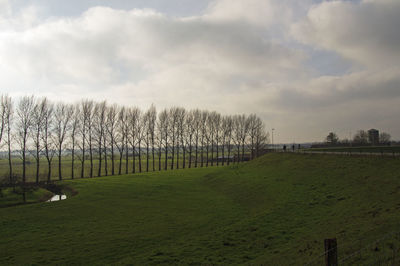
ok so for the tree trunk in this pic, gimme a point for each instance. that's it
(238, 153)
(202, 152)
(177, 154)
(126, 157)
(183, 155)
(83, 157)
(59, 163)
(9, 158)
(166, 154)
(140, 159)
(159, 157)
(229, 153)
(242, 151)
(197, 144)
(152, 151)
(190, 151)
(173, 149)
(24, 164)
(223, 151)
(72, 159)
(105, 157)
(112, 157)
(37, 167)
(48, 171)
(207, 149)
(121, 154)
(100, 159)
(216, 144)
(91, 156)
(147, 153)
(133, 159)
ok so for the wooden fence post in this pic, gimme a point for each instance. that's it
(331, 252)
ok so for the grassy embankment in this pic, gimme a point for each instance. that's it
(274, 210)
(362, 149)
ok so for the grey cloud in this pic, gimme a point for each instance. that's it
(365, 31)
(329, 92)
(229, 59)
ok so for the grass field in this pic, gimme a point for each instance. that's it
(363, 149)
(67, 166)
(275, 210)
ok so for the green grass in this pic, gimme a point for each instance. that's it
(275, 210)
(363, 149)
(10, 196)
(67, 165)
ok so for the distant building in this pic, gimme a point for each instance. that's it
(373, 136)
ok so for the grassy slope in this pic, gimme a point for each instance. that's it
(368, 149)
(274, 210)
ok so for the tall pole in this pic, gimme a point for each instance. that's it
(273, 138)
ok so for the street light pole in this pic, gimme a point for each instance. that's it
(273, 139)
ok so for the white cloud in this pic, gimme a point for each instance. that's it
(106, 48)
(239, 56)
(5, 8)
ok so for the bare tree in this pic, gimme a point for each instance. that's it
(197, 131)
(181, 137)
(75, 128)
(173, 120)
(163, 125)
(2, 117)
(255, 131)
(361, 137)
(159, 141)
(25, 109)
(227, 127)
(203, 132)
(217, 128)
(140, 136)
(146, 136)
(384, 138)
(241, 127)
(261, 138)
(88, 107)
(98, 128)
(37, 128)
(111, 130)
(62, 118)
(189, 133)
(86, 130)
(133, 118)
(7, 116)
(152, 117)
(120, 136)
(332, 138)
(126, 138)
(47, 137)
(213, 122)
(99, 120)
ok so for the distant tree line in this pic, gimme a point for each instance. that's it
(361, 138)
(148, 140)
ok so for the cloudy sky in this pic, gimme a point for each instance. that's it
(306, 67)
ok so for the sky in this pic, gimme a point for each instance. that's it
(305, 67)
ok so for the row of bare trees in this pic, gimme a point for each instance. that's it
(96, 133)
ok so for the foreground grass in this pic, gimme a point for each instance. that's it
(274, 210)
